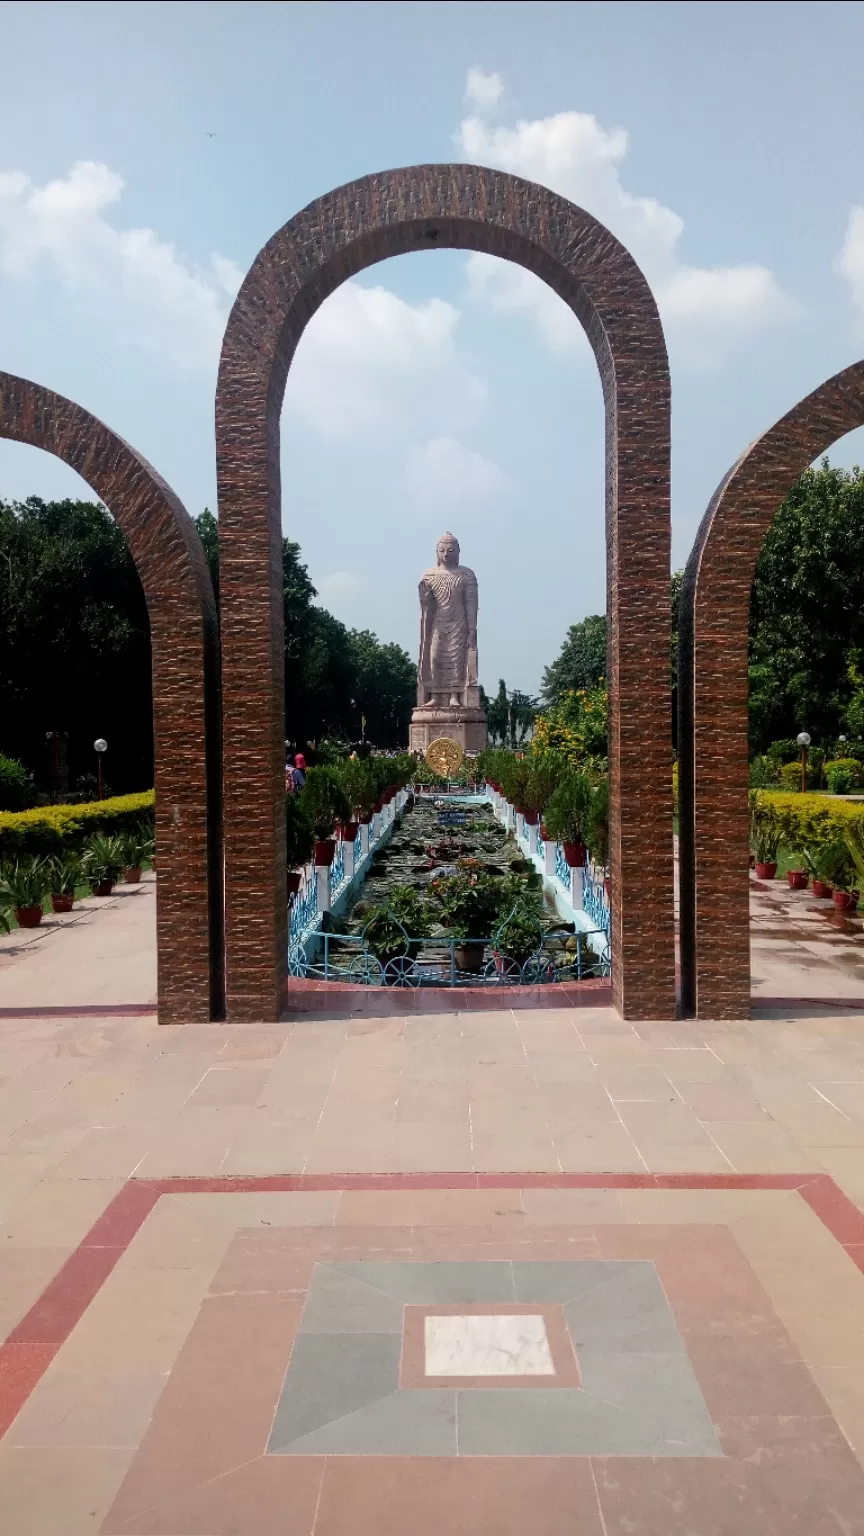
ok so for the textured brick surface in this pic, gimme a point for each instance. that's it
(712, 672)
(366, 221)
(170, 561)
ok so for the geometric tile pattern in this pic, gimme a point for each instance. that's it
(140, 1391)
(372, 219)
(639, 1396)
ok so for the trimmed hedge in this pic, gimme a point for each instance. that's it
(50, 828)
(810, 820)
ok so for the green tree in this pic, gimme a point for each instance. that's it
(807, 610)
(581, 662)
(74, 640)
(385, 688)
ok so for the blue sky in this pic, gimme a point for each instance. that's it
(149, 150)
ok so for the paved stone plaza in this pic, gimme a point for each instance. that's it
(547, 1271)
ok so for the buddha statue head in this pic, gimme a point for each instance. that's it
(447, 550)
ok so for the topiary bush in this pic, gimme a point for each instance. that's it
(48, 829)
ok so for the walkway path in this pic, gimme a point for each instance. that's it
(489, 1274)
(801, 947)
(102, 952)
(717, 1384)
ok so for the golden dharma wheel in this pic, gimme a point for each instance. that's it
(444, 756)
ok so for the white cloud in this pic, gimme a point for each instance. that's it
(370, 362)
(444, 472)
(483, 91)
(573, 154)
(850, 261)
(337, 585)
(128, 278)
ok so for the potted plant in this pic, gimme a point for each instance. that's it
(103, 861)
(135, 848)
(24, 885)
(395, 930)
(299, 840)
(518, 936)
(765, 840)
(837, 868)
(566, 814)
(65, 872)
(470, 904)
(810, 859)
(325, 803)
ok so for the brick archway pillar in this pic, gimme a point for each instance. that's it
(184, 640)
(383, 215)
(713, 693)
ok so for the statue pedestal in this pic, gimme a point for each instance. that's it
(463, 723)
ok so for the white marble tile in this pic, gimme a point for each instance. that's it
(487, 1346)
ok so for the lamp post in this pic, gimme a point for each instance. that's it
(803, 741)
(100, 745)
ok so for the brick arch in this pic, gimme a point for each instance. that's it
(385, 215)
(713, 692)
(184, 640)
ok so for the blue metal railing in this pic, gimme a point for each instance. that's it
(337, 869)
(304, 908)
(324, 956)
(562, 868)
(594, 900)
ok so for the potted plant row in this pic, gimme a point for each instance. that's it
(27, 883)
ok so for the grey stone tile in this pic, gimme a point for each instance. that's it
(628, 1312)
(565, 1280)
(418, 1423)
(548, 1422)
(427, 1284)
(330, 1375)
(659, 1389)
(338, 1303)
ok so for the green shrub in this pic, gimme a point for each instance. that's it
(299, 837)
(843, 774)
(804, 821)
(566, 815)
(520, 934)
(790, 778)
(324, 801)
(52, 828)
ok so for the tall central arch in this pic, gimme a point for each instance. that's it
(388, 214)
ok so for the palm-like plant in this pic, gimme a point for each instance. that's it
(65, 871)
(103, 859)
(24, 884)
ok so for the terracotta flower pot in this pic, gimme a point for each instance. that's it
(28, 917)
(574, 853)
(843, 901)
(62, 902)
(292, 880)
(469, 957)
(822, 890)
(348, 831)
(797, 879)
(132, 874)
(766, 871)
(531, 818)
(544, 832)
(104, 888)
(365, 819)
(325, 852)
